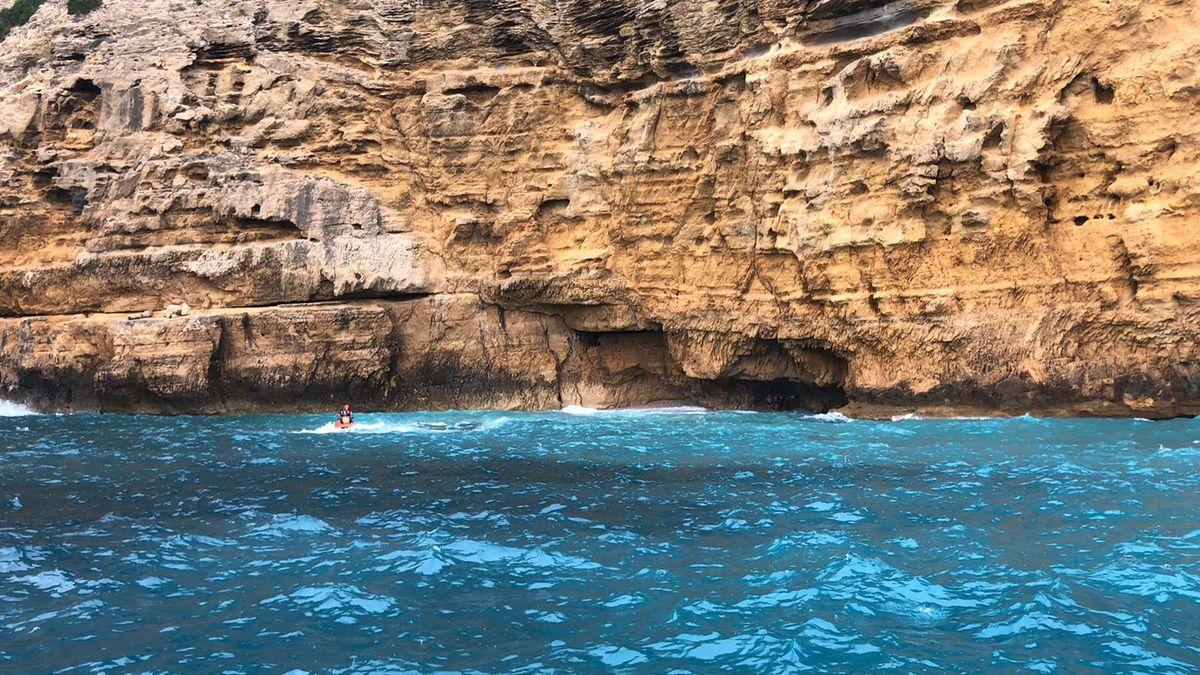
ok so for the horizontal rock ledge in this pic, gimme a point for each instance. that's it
(449, 351)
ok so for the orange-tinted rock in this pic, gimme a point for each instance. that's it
(930, 205)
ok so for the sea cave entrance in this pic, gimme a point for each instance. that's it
(776, 395)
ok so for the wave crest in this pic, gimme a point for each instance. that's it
(10, 409)
(384, 427)
(666, 410)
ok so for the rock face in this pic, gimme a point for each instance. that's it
(932, 205)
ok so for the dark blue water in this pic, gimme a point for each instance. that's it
(557, 542)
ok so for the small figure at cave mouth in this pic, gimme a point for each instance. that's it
(345, 418)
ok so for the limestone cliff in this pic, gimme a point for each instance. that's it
(916, 204)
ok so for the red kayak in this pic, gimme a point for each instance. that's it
(342, 425)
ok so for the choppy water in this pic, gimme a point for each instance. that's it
(531, 542)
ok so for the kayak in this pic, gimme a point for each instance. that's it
(342, 425)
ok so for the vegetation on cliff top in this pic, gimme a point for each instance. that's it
(22, 10)
(17, 15)
(81, 7)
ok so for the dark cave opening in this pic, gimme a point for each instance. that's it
(779, 395)
(637, 367)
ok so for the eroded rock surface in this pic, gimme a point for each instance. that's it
(920, 204)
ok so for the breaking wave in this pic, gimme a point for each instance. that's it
(665, 410)
(384, 427)
(10, 409)
(832, 416)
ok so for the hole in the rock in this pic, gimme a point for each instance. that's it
(782, 376)
(1051, 204)
(476, 92)
(681, 70)
(75, 197)
(634, 367)
(994, 137)
(85, 88)
(782, 395)
(553, 207)
(732, 80)
(1102, 92)
(1080, 220)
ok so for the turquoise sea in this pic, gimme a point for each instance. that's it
(667, 541)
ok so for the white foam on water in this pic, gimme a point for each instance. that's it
(361, 428)
(408, 427)
(905, 416)
(11, 561)
(496, 423)
(287, 524)
(56, 582)
(579, 410)
(615, 656)
(10, 409)
(342, 602)
(665, 410)
(833, 416)
(1164, 451)
(485, 552)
